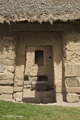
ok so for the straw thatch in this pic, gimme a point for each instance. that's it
(39, 10)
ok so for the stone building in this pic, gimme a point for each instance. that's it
(40, 50)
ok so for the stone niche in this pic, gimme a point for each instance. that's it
(38, 78)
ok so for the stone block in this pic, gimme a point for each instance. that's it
(18, 96)
(59, 97)
(9, 62)
(72, 82)
(72, 70)
(10, 68)
(7, 75)
(18, 89)
(2, 68)
(72, 98)
(6, 89)
(6, 82)
(73, 89)
(7, 97)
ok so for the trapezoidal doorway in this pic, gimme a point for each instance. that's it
(38, 77)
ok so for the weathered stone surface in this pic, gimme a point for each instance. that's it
(6, 89)
(59, 97)
(6, 76)
(72, 70)
(18, 96)
(11, 56)
(6, 82)
(72, 82)
(72, 98)
(7, 62)
(73, 89)
(7, 97)
(10, 68)
(2, 68)
(18, 89)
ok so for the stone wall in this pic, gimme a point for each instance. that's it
(65, 73)
(35, 40)
(71, 46)
(7, 64)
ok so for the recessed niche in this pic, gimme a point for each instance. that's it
(39, 57)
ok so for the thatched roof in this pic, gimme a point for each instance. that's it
(39, 10)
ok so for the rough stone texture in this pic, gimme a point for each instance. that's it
(39, 10)
(2, 68)
(6, 89)
(18, 96)
(59, 97)
(72, 98)
(73, 89)
(72, 82)
(72, 70)
(7, 97)
(6, 82)
(71, 47)
(18, 89)
(10, 68)
(68, 73)
(7, 75)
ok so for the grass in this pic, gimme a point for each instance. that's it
(24, 111)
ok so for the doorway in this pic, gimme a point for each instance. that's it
(38, 76)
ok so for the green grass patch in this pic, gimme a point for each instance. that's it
(24, 111)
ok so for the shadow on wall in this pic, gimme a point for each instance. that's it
(38, 82)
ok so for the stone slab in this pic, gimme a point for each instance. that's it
(72, 98)
(72, 70)
(6, 76)
(6, 89)
(7, 97)
(6, 82)
(72, 82)
(73, 89)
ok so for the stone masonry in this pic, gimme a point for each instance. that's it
(56, 79)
